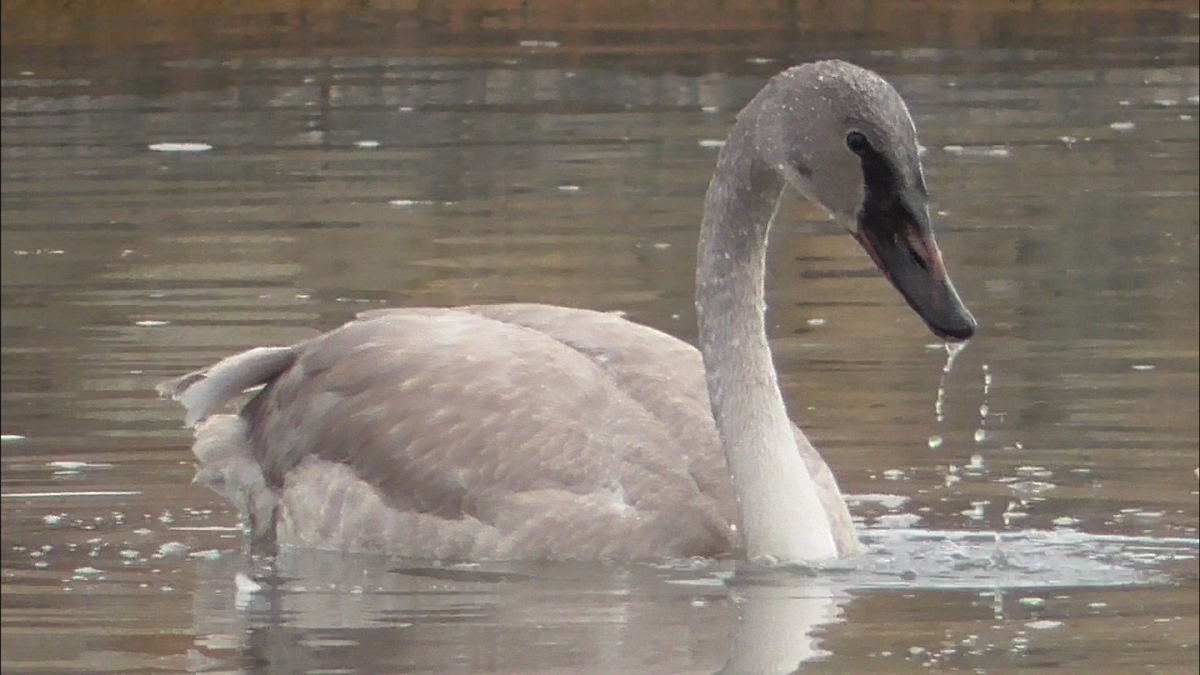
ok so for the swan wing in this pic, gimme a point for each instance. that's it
(474, 425)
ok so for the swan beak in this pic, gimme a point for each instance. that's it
(910, 258)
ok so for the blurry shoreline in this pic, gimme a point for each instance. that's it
(585, 29)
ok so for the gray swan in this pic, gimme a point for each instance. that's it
(536, 432)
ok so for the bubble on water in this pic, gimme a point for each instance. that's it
(898, 520)
(180, 147)
(171, 548)
(87, 573)
(1030, 486)
(1034, 471)
(935, 442)
(74, 466)
(887, 501)
(1012, 516)
(976, 512)
(987, 151)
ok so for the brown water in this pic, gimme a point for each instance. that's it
(1048, 521)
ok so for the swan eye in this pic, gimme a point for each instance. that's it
(857, 142)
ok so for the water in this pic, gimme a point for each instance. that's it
(171, 199)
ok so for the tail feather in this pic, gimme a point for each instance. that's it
(203, 391)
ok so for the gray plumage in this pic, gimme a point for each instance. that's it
(539, 432)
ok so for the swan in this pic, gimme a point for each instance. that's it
(535, 432)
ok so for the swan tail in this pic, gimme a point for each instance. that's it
(203, 391)
(227, 462)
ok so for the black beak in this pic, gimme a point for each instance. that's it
(909, 257)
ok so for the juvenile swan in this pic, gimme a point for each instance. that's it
(541, 432)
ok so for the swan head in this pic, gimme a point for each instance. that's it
(842, 137)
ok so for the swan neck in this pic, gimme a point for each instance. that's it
(782, 517)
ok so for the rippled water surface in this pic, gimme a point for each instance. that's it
(1033, 507)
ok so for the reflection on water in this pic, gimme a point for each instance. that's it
(166, 205)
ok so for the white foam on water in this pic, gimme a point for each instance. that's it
(180, 147)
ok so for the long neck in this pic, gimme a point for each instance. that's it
(782, 516)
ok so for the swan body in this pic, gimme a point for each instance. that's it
(529, 431)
